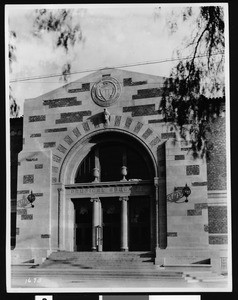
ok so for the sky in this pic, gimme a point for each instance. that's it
(113, 35)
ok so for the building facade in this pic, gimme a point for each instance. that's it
(100, 170)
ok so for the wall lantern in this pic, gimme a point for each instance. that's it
(31, 198)
(186, 192)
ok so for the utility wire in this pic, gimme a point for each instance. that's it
(115, 67)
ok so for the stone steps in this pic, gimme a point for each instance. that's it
(100, 260)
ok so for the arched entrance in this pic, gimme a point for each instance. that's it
(112, 195)
(118, 162)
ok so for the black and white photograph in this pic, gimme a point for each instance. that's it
(118, 148)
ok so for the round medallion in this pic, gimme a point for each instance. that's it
(106, 91)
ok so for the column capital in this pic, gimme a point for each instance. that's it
(123, 198)
(156, 181)
(94, 199)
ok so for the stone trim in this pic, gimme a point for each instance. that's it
(179, 157)
(192, 170)
(168, 135)
(56, 129)
(33, 135)
(49, 144)
(45, 236)
(218, 239)
(28, 179)
(38, 118)
(147, 93)
(72, 117)
(129, 82)
(85, 88)
(141, 110)
(39, 166)
(62, 102)
(27, 217)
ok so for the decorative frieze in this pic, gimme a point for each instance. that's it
(62, 102)
(129, 82)
(147, 133)
(61, 148)
(54, 179)
(155, 141)
(28, 179)
(128, 122)
(138, 127)
(49, 144)
(57, 158)
(117, 121)
(76, 132)
(38, 118)
(192, 170)
(85, 88)
(141, 110)
(85, 126)
(55, 169)
(72, 117)
(56, 129)
(68, 140)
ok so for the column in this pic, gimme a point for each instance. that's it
(59, 213)
(95, 221)
(156, 183)
(124, 223)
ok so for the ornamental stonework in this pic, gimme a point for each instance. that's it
(106, 91)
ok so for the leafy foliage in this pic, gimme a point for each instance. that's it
(59, 22)
(14, 108)
(187, 95)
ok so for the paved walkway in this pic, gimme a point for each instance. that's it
(102, 282)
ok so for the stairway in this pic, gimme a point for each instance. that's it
(100, 260)
(109, 265)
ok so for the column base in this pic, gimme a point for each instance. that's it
(124, 249)
(94, 249)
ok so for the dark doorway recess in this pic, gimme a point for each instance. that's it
(111, 224)
(139, 224)
(83, 224)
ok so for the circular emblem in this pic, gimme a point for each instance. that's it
(106, 91)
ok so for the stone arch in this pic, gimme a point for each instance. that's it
(75, 143)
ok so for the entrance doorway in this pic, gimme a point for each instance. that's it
(83, 225)
(111, 224)
(139, 224)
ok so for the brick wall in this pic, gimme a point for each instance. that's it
(216, 165)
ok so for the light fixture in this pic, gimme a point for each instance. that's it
(31, 198)
(186, 192)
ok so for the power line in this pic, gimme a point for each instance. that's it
(115, 67)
